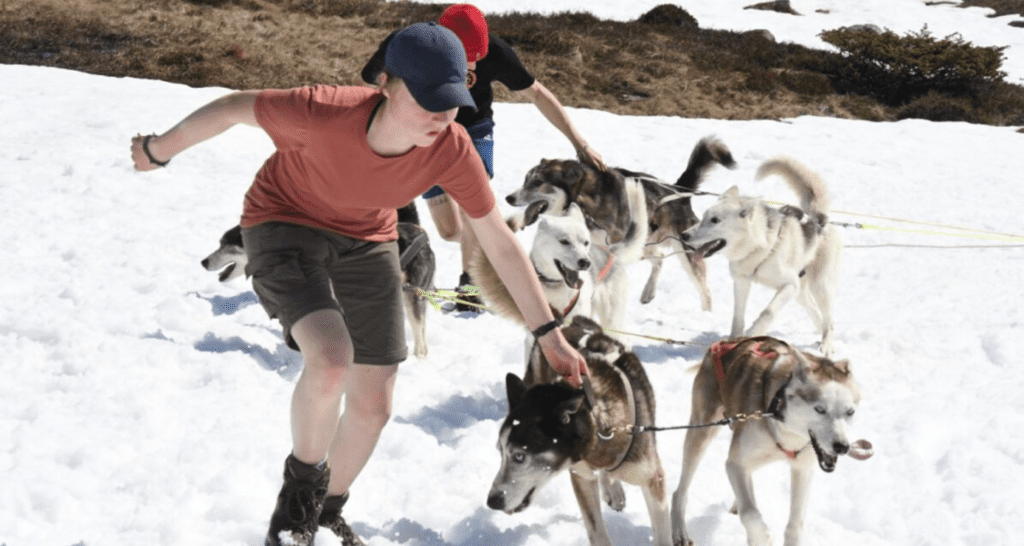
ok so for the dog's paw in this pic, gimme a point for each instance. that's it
(614, 495)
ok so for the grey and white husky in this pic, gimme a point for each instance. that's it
(811, 400)
(794, 251)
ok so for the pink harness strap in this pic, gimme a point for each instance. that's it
(607, 267)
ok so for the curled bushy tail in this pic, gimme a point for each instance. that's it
(708, 151)
(809, 187)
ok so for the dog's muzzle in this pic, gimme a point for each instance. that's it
(827, 461)
(496, 501)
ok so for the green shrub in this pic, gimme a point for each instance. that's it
(935, 106)
(806, 83)
(897, 69)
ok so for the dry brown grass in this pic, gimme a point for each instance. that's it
(652, 68)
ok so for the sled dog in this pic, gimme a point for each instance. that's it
(810, 398)
(553, 427)
(578, 276)
(416, 257)
(794, 251)
(601, 197)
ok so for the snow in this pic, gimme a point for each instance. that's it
(142, 401)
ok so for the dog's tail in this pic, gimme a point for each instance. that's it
(708, 151)
(631, 248)
(493, 290)
(808, 186)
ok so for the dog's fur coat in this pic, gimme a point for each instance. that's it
(579, 277)
(551, 427)
(794, 251)
(418, 265)
(602, 198)
(812, 399)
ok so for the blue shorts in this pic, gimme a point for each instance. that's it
(482, 133)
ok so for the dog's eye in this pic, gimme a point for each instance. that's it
(850, 412)
(819, 409)
(564, 242)
(713, 220)
(518, 458)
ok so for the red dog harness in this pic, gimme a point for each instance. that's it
(719, 349)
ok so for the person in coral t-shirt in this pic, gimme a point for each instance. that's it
(319, 229)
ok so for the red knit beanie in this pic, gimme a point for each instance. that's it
(467, 22)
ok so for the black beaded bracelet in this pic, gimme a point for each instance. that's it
(145, 148)
(545, 328)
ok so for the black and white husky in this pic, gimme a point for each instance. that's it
(601, 195)
(794, 251)
(416, 257)
(552, 427)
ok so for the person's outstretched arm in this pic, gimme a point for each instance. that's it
(205, 123)
(548, 104)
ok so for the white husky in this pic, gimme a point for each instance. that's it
(584, 278)
(792, 250)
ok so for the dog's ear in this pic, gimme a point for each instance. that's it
(731, 193)
(515, 389)
(843, 366)
(568, 408)
(533, 212)
(576, 212)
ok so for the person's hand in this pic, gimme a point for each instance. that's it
(565, 359)
(587, 154)
(144, 161)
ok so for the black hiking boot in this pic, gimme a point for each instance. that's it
(298, 504)
(468, 296)
(330, 517)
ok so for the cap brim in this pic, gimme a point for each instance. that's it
(442, 97)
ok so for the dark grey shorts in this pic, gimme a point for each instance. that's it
(296, 270)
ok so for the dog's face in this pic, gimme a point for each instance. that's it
(821, 400)
(562, 245)
(550, 181)
(725, 225)
(540, 437)
(230, 256)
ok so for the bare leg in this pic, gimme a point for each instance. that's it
(445, 213)
(328, 373)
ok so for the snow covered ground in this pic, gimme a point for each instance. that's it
(143, 402)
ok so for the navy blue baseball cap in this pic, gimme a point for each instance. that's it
(431, 61)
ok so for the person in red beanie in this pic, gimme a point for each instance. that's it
(489, 59)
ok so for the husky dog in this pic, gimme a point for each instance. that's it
(792, 250)
(416, 257)
(581, 278)
(602, 198)
(553, 427)
(810, 400)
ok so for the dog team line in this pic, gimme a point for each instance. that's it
(781, 403)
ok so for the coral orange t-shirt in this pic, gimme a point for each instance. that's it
(324, 174)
